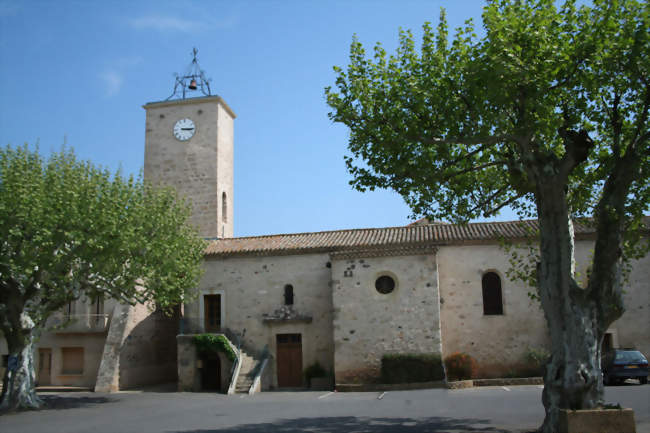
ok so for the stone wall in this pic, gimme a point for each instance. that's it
(87, 330)
(92, 345)
(225, 165)
(140, 349)
(369, 324)
(252, 297)
(148, 354)
(500, 342)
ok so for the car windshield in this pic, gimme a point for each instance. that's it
(629, 356)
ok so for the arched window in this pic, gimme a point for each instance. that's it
(288, 294)
(492, 300)
(224, 207)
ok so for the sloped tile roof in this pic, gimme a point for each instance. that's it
(378, 238)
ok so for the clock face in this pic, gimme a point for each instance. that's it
(184, 129)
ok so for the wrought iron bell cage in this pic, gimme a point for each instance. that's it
(193, 80)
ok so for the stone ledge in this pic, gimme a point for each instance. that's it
(62, 388)
(457, 384)
(352, 387)
(509, 381)
(460, 384)
(597, 421)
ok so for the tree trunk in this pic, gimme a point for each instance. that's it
(19, 387)
(572, 379)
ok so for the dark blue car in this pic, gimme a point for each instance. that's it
(621, 364)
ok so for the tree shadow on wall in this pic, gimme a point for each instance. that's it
(148, 355)
(366, 425)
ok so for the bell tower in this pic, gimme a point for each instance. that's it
(189, 146)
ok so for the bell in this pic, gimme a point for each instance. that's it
(192, 85)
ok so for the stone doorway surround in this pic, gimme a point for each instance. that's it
(190, 366)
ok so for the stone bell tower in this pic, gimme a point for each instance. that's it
(189, 146)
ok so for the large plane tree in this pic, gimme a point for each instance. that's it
(70, 230)
(547, 114)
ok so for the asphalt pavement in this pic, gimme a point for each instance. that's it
(485, 409)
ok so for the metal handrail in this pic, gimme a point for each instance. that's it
(236, 367)
(259, 370)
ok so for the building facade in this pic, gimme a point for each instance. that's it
(340, 299)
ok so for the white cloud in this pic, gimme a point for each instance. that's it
(113, 76)
(113, 81)
(162, 23)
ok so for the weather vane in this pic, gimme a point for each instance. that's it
(193, 80)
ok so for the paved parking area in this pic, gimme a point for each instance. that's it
(489, 409)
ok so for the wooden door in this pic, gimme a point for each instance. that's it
(289, 360)
(211, 374)
(44, 367)
(212, 313)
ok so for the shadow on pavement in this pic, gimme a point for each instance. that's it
(57, 402)
(365, 425)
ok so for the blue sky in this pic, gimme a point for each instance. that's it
(79, 72)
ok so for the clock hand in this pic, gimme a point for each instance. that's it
(187, 129)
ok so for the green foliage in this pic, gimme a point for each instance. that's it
(210, 344)
(460, 366)
(410, 368)
(462, 127)
(546, 114)
(72, 230)
(537, 358)
(314, 370)
(523, 257)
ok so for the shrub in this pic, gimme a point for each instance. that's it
(460, 366)
(537, 359)
(314, 370)
(208, 344)
(409, 368)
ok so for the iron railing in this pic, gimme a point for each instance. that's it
(62, 322)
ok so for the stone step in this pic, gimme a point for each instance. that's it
(246, 377)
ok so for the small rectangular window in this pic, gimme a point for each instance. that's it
(73, 360)
(212, 312)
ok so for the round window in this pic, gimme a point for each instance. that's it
(385, 284)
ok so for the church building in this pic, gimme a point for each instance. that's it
(345, 298)
(283, 303)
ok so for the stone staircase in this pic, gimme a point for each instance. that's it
(246, 373)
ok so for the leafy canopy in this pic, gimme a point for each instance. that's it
(462, 128)
(70, 230)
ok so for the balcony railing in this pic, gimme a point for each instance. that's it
(79, 323)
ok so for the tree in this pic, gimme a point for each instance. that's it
(546, 114)
(69, 230)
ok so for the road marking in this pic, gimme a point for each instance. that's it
(326, 395)
(380, 396)
(506, 388)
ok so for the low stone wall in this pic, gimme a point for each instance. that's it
(188, 375)
(458, 384)
(369, 387)
(509, 381)
(597, 421)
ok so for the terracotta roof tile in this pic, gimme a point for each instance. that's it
(373, 238)
(411, 235)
